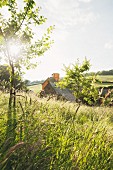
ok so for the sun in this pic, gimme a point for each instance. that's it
(14, 49)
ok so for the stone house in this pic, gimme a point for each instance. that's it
(49, 88)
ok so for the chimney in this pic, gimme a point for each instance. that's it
(56, 76)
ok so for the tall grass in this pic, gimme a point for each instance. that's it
(51, 135)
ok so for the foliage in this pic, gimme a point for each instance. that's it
(18, 48)
(3, 2)
(5, 79)
(105, 72)
(81, 85)
(51, 136)
(18, 30)
(4, 73)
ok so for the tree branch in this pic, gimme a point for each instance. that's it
(28, 6)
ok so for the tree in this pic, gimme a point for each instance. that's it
(18, 48)
(105, 72)
(4, 73)
(81, 85)
(5, 80)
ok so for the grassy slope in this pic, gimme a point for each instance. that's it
(108, 78)
(56, 137)
(35, 88)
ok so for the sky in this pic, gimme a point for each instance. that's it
(83, 28)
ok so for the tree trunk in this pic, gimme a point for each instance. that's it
(11, 117)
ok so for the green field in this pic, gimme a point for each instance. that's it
(108, 78)
(53, 135)
(35, 88)
(105, 80)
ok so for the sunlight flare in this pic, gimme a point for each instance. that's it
(14, 49)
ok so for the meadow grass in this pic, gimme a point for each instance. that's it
(108, 78)
(53, 135)
(35, 88)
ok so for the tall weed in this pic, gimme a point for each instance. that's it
(53, 136)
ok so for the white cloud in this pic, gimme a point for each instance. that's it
(109, 45)
(86, 1)
(65, 13)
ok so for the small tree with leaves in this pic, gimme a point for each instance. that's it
(17, 31)
(82, 86)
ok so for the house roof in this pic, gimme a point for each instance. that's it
(66, 93)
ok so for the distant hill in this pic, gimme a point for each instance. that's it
(104, 72)
(105, 77)
(36, 82)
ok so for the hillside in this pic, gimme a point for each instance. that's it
(105, 80)
(35, 88)
(54, 135)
